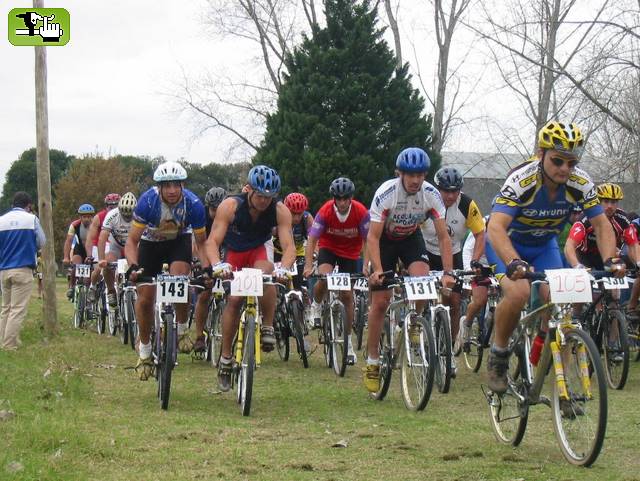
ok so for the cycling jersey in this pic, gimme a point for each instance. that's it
(343, 235)
(583, 235)
(401, 212)
(101, 217)
(300, 235)
(536, 218)
(117, 227)
(78, 231)
(463, 215)
(245, 234)
(163, 222)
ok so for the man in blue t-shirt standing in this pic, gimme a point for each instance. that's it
(20, 239)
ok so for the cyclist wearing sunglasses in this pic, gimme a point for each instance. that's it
(528, 214)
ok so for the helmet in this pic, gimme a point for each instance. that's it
(127, 204)
(214, 196)
(169, 171)
(610, 191)
(264, 180)
(112, 199)
(563, 137)
(86, 209)
(448, 178)
(413, 159)
(296, 202)
(342, 187)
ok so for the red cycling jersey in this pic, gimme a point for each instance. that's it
(101, 215)
(583, 235)
(343, 238)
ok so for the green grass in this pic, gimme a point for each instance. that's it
(89, 418)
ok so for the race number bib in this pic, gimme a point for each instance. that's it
(361, 284)
(217, 287)
(247, 282)
(339, 282)
(421, 288)
(122, 266)
(83, 270)
(172, 289)
(569, 285)
(611, 283)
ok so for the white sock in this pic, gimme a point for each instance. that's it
(372, 362)
(182, 328)
(145, 350)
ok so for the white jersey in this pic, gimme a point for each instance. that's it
(402, 213)
(117, 227)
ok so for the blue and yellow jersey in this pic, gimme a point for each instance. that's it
(162, 222)
(536, 217)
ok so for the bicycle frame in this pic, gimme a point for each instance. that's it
(251, 308)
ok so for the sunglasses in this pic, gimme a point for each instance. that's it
(559, 161)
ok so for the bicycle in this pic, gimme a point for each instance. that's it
(579, 396)
(289, 322)
(604, 321)
(114, 315)
(127, 296)
(360, 309)
(83, 273)
(213, 323)
(407, 343)
(333, 333)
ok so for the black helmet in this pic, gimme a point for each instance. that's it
(448, 178)
(342, 187)
(214, 196)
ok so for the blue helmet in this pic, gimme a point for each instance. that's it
(86, 209)
(264, 180)
(413, 159)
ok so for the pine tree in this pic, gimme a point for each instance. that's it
(344, 109)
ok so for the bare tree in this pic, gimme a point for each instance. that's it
(392, 16)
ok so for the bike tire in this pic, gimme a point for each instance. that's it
(473, 358)
(339, 338)
(360, 319)
(214, 335)
(442, 339)
(112, 320)
(131, 319)
(78, 313)
(101, 305)
(297, 319)
(327, 341)
(167, 359)
(581, 444)
(617, 371)
(247, 366)
(417, 366)
(386, 362)
(282, 334)
(124, 326)
(509, 415)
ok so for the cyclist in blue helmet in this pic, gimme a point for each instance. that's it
(244, 223)
(74, 251)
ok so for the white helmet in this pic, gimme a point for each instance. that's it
(169, 171)
(127, 204)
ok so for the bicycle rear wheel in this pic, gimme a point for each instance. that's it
(580, 422)
(167, 359)
(124, 325)
(509, 412)
(360, 318)
(442, 339)
(131, 319)
(214, 333)
(386, 362)
(417, 369)
(297, 319)
(245, 376)
(112, 320)
(282, 333)
(473, 351)
(616, 353)
(339, 338)
(101, 309)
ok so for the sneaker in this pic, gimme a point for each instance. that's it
(225, 370)
(185, 344)
(268, 338)
(570, 409)
(315, 314)
(145, 367)
(351, 354)
(91, 295)
(372, 378)
(497, 367)
(200, 345)
(112, 300)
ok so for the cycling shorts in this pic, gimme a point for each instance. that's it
(326, 256)
(240, 259)
(541, 257)
(409, 250)
(151, 255)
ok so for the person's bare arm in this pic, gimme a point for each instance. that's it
(605, 237)
(285, 235)
(224, 216)
(102, 242)
(131, 247)
(66, 250)
(570, 252)
(478, 247)
(92, 234)
(373, 250)
(200, 240)
(444, 241)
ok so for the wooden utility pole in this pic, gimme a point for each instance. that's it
(49, 304)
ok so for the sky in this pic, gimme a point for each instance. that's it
(108, 88)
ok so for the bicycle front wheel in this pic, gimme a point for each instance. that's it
(616, 351)
(360, 318)
(101, 315)
(339, 338)
(247, 366)
(78, 313)
(167, 359)
(297, 319)
(473, 349)
(580, 421)
(442, 338)
(417, 365)
(282, 334)
(124, 326)
(386, 362)
(214, 337)
(131, 319)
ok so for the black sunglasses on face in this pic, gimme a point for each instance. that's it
(559, 161)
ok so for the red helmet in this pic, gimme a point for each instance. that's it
(296, 202)
(112, 199)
